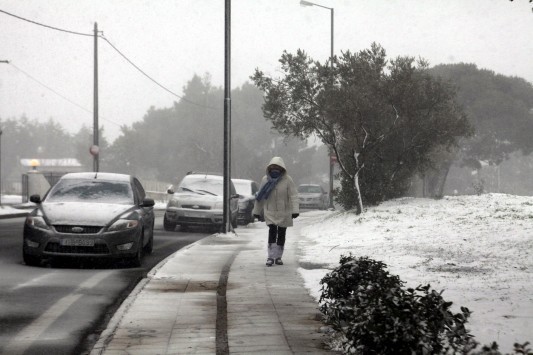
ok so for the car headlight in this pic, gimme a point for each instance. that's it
(126, 221)
(123, 224)
(37, 222)
(173, 203)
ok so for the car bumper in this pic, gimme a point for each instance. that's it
(311, 205)
(49, 243)
(195, 217)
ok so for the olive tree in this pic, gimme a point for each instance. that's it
(380, 117)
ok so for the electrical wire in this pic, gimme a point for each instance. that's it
(152, 79)
(47, 26)
(59, 94)
(118, 51)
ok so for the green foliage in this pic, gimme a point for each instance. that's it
(499, 109)
(361, 300)
(381, 117)
(189, 137)
(373, 314)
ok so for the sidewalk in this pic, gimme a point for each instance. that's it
(217, 296)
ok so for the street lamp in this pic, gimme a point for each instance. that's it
(330, 153)
(4, 62)
(0, 167)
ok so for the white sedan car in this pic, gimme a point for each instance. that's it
(312, 196)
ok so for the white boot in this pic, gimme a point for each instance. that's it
(279, 254)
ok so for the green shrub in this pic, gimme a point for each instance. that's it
(375, 315)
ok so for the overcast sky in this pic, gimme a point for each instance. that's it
(51, 72)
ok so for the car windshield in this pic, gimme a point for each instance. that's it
(243, 187)
(202, 185)
(74, 190)
(309, 189)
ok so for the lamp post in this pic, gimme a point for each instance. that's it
(0, 167)
(4, 62)
(330, 152)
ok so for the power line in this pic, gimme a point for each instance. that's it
(59, 94)
(153, 80)
(47, 26)
(117, 50)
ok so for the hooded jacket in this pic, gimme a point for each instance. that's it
(282, 201)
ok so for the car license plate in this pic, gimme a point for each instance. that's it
(77, 242)
(191, 214)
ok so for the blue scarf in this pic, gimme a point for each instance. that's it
(273, 177)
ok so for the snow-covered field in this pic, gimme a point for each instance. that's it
(478, 249)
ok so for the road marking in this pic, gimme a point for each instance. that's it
(24, 339)
(32, 281)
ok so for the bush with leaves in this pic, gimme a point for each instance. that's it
(365, 303)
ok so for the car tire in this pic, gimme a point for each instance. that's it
(31, 260)
(148, 248)
(136, 260)
(167, 225)
(250, 219)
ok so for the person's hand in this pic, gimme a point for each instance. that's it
(295, 215)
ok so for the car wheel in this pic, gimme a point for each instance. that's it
(148, 248)
(250, 219)
(167, 225)
(31, 260)
(136, 260)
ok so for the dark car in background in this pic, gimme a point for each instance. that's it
(312, 196)
(199, 201)
(246, 190)
(97, 215)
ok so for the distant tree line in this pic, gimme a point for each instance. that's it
(169, 142)
(389, 122)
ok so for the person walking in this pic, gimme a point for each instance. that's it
(277, 201)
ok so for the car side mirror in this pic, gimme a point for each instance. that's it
(35, 198)
(170, 192)
(148, 202)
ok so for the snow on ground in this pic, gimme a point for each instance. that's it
(478, 249)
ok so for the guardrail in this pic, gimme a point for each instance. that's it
(158, 196)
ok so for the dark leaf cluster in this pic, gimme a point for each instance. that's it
(376, 315)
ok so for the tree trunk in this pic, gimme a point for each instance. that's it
(435, 180)
(359, 206)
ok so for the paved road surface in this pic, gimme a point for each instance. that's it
(62, 308)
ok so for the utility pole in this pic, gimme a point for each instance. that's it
(227, 119)
(94, 148)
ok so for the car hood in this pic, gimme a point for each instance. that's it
(83, 213)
